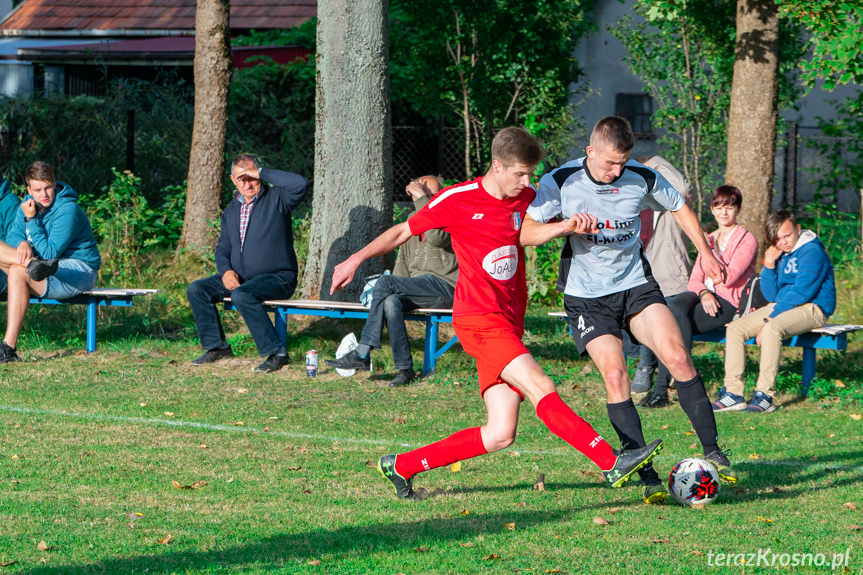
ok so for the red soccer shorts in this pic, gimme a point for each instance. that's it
(493, 341)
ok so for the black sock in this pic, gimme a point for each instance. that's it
(693, 400)
(663, 378)
(627, 424)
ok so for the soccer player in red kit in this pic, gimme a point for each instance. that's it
(483, 217)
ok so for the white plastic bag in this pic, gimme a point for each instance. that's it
(369, 288)
(347, 345)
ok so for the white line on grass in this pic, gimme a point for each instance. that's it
(329, 438)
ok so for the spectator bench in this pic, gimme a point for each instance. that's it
(431, 317)
(830, 336)
(115, 297)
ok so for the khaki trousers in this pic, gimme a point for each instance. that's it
(793, 322)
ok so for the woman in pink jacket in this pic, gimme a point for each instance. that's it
(706, 307)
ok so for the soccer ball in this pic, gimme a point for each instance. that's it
(694, 481)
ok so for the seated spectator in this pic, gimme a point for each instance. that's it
(705, 307)
(9, 203)
(425, 275)
(667, 250)
(54, 255)
(256, 261)
(797, 278)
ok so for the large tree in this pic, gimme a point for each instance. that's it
(352, 200)
(207, 156)
(753, 111)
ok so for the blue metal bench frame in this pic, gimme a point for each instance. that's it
(432, 318)
(93, 299)
(808, 341)
(819, 338)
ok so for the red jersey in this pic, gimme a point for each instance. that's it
(484, 232)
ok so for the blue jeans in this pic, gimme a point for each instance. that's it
(205, 294)
(392, 297)
(71, 278)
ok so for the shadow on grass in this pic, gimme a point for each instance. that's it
(282, 550)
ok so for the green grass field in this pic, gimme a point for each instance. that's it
(131, 461)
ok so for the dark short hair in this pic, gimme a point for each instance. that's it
(726, 196)
(515, 145)
(775, 221)
(614, 131)
(39, 171)
(245, 158)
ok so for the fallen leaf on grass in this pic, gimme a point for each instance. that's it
(514, 453)
(856, 416)
(666, 426)
(839, 383)
(698, 506)
(600, 521)
(202, 446)
(143, 404)
(239, 423)
(420, 549)
(456, 467)
(166, 540)
(755, 456)
(552, 570)
(854, 527)
(314, 562)
(195, 485)
(741, 490)
(521, 503)
(294, 468)
(169, 413)
(510, 526)
(696, 553)
(16, 457)
(468, 544)
(8, 564)
(850, 505)
(134, 515)
(42, 546)
(693, 446)
(540, 482)
(491, 557)
(765, 519)
(690, 432)
(401, 420)
(242, 390)
(273, 418)
(615, 509)
(660, 540)
(465, 512)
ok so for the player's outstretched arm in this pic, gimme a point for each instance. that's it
(688, 222)
(534, 233)
(343, 274)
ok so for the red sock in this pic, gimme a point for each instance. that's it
(567, 425)
(459, 446)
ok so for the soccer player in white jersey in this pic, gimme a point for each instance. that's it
(484, 217)
(608, 287)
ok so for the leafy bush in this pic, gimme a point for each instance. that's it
(128, 229)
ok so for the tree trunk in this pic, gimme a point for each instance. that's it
(207, 155)
(352, 200)
(752, 115)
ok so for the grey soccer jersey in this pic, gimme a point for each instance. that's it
(595, 265)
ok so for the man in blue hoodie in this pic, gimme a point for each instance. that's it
(256, 261)
(797, 278)
(51, 253)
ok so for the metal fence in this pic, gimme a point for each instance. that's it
(797, 164)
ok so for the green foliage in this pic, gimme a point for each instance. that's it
(836, 391)
(487, 64)
(841, 151)
(85, 137)
(128, 229)
(834, 37)
(271, 107)
(684, 54)
(542, 272)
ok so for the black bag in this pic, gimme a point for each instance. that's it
(751, 298)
